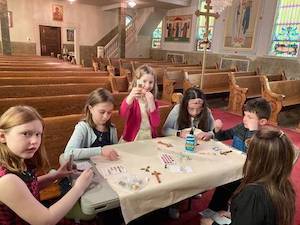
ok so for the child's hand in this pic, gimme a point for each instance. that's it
(184, 133)
(84, 180)
(225, 213)
(136, 92)
(65, 170)
(110, 154)
(150, 100)
(149, 96)
(206, 221)
(204, 136)
(218, 124)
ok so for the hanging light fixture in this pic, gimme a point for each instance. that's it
(71, 1)
(131, 3)
(219, 5)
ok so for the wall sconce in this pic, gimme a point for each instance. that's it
(131, 3)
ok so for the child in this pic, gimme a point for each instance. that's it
(192, 112)
(256, 114)
(266, 195)
(95, 130)
(140, 108)
(21, 152)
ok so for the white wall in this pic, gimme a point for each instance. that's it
(90, 22)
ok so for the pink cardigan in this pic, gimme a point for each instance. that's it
(132, 114)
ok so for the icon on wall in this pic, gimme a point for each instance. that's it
(178, 28)
(57, 12)
(70, 35)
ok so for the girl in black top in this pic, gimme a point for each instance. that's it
(265, 196)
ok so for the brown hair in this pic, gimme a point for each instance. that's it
(16, 116)
(99, 95)
(142, 70)
(260, 106)
(269, 163)
(184, 118)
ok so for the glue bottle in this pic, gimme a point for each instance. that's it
(190, 141)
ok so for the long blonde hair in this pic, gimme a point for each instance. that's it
(13, 117)
(143, 70)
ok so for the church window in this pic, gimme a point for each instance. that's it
(286, 31)
(156, 36)
(201, 28)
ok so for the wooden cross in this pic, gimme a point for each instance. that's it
(207, 14)
(146, 169)
(156, 174)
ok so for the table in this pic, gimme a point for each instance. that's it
(213, 164)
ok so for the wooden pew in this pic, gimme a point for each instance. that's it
(244, 87)
(212, 82)
(192, 71)
(55, 105)
(58, 130)
(20, 91)
(44, 68)
(280, 94)
(52, 73)
(119, 84)
(51, 80)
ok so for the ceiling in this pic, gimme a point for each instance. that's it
(167, 4)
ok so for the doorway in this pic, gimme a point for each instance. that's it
(50, 39)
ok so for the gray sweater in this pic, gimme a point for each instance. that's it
(171, 127)
(82, 138)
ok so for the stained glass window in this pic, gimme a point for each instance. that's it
(156, 36)
(201, 28)
(286, 31)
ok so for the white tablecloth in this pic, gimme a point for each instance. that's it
(209, 169)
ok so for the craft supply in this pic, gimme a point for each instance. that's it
(146, 169)
(112, 170)
(225, 152)
(190, 141)
(165, 144)
(156, 174)
(166, 159)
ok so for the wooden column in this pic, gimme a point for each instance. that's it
(6, 45)
(122, 28)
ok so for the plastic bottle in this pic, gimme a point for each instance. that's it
(190, 141)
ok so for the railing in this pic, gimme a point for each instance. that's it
(112, 48)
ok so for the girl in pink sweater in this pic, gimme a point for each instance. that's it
(140, 108)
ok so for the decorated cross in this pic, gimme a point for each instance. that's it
(207, 15)
(156, 174)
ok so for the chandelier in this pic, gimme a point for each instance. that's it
(219, 5)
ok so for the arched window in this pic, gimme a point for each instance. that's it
(201, 28)
(286, 30)
(156, 36)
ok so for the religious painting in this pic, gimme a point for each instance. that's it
(231, 63)
(10, 19)
(175, 57)
(241, 24)
(57, 12)
(178, 28)
(70, 35)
